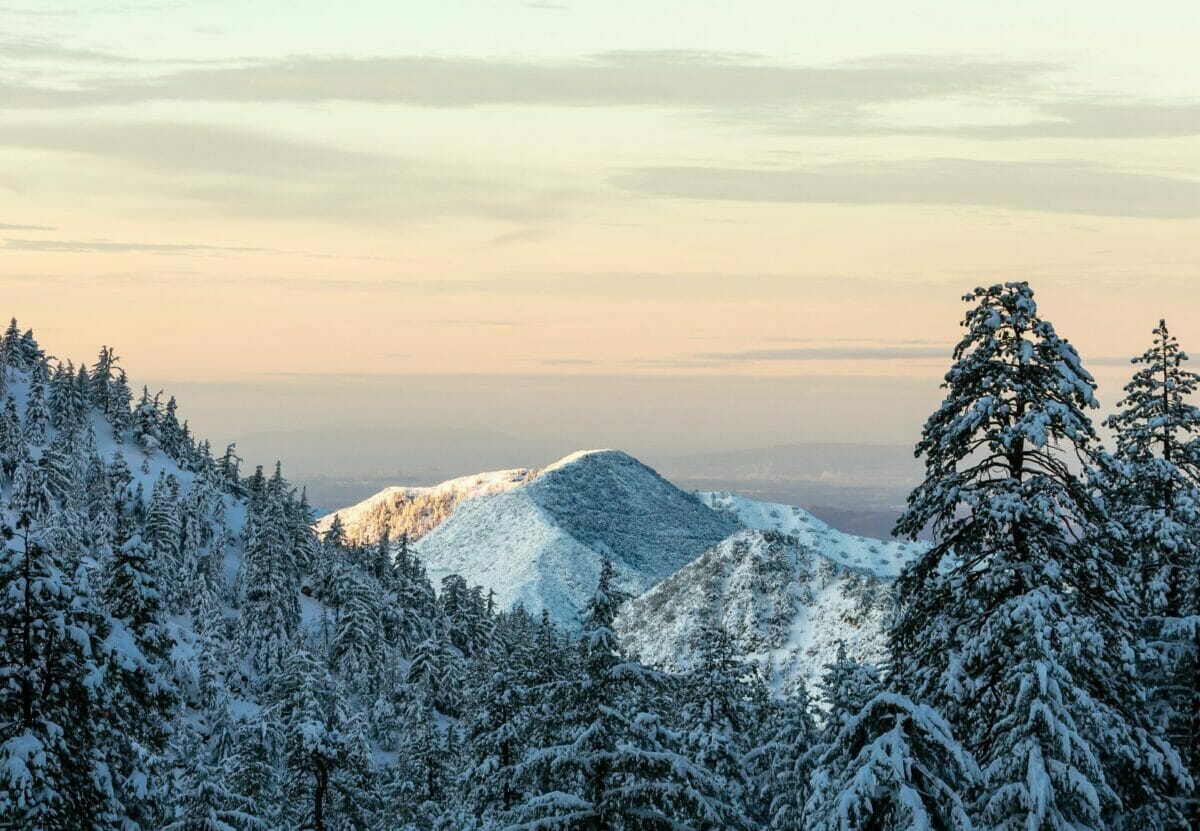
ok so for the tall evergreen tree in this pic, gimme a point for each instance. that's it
(1153, 487)
(269, 586)
(1016, 624)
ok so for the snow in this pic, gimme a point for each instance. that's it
(418, 510)
(768, 589)
(540, 543)
(884, 558)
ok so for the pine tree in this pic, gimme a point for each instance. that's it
(140, 690)
(846, 686)
(358, 636)
(1015, 624)
(120, 399)
(1153, 487)
(614, 764)
(892, 766)
(146, 429)
(100, 382)
(716, 715)
(37, 414)
(59, 767)
(171, 431)
(164, 534)
(495, 737)
(252, 772)
(206, 803)
(269, 586)
(14, 354)
(12, 438)
(310, 707)
(229, 470)
(783, 762)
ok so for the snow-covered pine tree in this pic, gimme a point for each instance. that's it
(145, 424)
(120, 415)
(1016, 624)
(12, 438)
(100, 381)
(171, 431)
(357, 644)
(495, 736)
(892, 766)
(49, 648)
(1153, 487)
(305, 700)
(269, 586)
(37, 410)
(14, 354)
(252, 772)
(846, 686)
(783, 761)
(717, 717)
(614, 765)
(229, 469)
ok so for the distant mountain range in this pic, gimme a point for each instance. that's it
(786, 586)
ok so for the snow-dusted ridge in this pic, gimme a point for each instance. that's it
(787, 589)
(883, 558)
(417, 510)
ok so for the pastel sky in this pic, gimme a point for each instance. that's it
(243, 192)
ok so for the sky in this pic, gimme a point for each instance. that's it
(670, 225)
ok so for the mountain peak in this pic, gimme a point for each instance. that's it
(580, 455)
(537, 537)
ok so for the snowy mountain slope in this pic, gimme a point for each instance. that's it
(787, 590)
(417, 510)
(540, 543)
(884, 558)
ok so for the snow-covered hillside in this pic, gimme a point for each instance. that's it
(787, 589)
(540, 543)
(416, 510)
(883, 558)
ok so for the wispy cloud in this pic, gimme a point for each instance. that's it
(663, 78)
(1066, 186)
(107, 246)
(1068, 117)
(8, 226)
(243, 173)
(471, 322)
(110, 246)
(828, 353)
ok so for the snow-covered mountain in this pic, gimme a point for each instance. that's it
(787, 589)
(540, 543)
(417, 510)
(785, 585)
